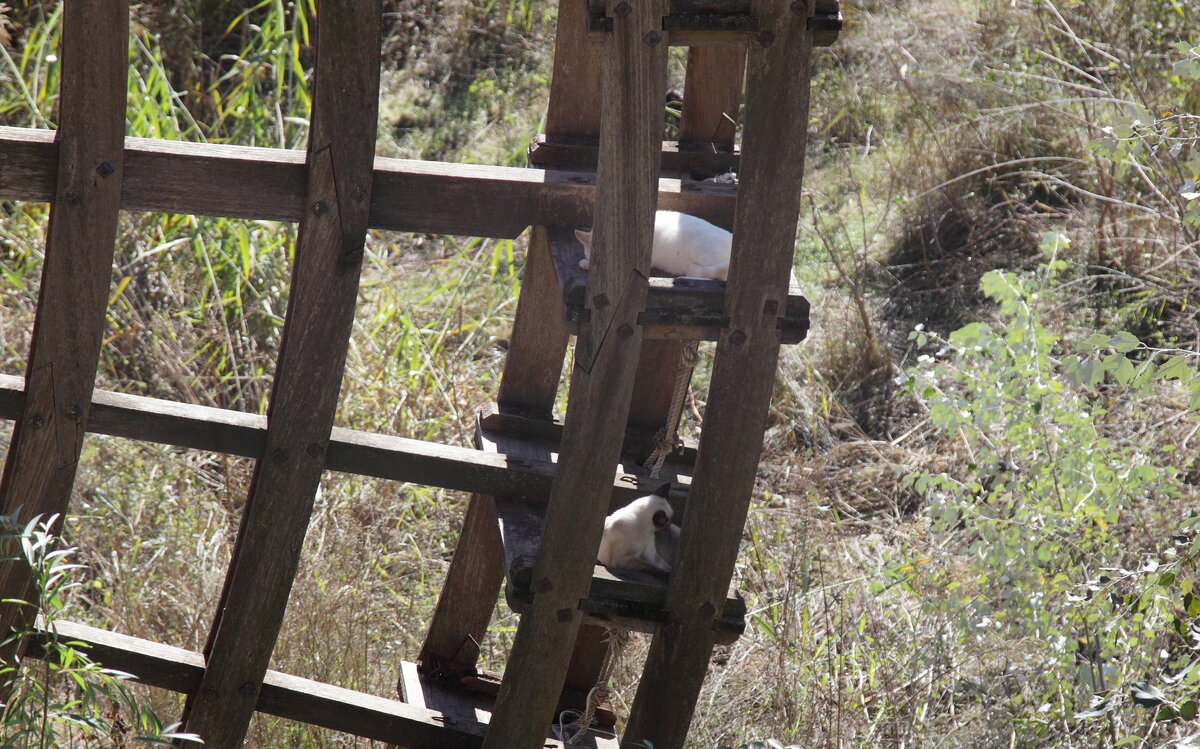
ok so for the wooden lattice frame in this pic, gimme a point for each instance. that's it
(88, 171)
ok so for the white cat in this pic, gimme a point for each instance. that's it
(630, 534)
(683, 246)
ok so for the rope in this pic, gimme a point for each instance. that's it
(597, 694)
(668, 434)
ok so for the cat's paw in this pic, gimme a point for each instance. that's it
(584, 264)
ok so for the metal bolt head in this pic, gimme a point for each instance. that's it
(73, 412)
(314, 450)
(625, 330)
(623, 9)
(737, 338)
(72, 198)
(799, 6)
(564, 615)
(707, 609)
(770, 307)
(765, 38)
(320, 207)
(652, 38)
(358, 193)
(600, 301)
(105, 169)
(37, 421)
(543, 585)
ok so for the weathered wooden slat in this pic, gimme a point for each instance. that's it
(720, 22)
(350, 451)
(602, 378)
(413, 725)
(268, 183)
(304, 394)
(712, 94)
(695, 158)
(515, 423)
(694, 308)
(69, 325)
(743, 373)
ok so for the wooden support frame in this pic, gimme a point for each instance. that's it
(40, 468)
(778, 70)
(304, 394)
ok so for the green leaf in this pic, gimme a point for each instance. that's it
(1124, 371)
(1124, 342)
(1176, 368)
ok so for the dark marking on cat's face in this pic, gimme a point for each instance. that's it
(661, 521)
(664, 490)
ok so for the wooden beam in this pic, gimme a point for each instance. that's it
(602, 380)
(350, 451)
(699, 159)
(779, 66)
(304, 394)
(69, 325)
(283, 695)
(268, 184)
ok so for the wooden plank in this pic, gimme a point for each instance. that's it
(268, 184)
(349, 451)
(695, 158)
(712, 95)
(515, 423)
(721, 21)
(743, 374)
(43, 454)
(602, 380)
(304, 394)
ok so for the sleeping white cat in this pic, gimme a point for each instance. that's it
(684, 245)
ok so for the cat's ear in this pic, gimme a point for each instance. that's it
(585, 237)
(663, 491)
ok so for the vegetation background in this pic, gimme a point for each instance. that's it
(975, 517)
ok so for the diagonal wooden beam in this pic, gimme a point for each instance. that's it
(304, 394)
(69, 327)
(777, 88)
(634, 78)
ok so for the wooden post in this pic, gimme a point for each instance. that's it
(307, 382)
(602, 380)
(69, 327)
(777, 87)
